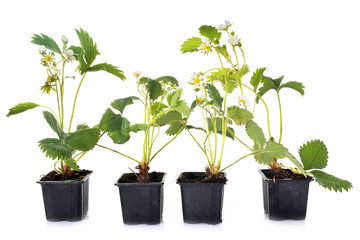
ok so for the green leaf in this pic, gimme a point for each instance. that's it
(122, 134)
(210, 32)
(214, 95)
(54, 149)
(82, 126)
(21, 107)
(331, 182)
(314, 155)
(268, 84)
(239, 115)
(222, 74)
(255, 133)
(53, 123)
(219, 127)
(138, 127)
(223, 51)
(154, 89)
(110, 121)
(84, 139)
(168, 79)
(168, 118)
(78, 51)
(71, 163)
(175, 128)
(107, 68)
(157, 107)
(256, 78)
(89, 47)
(297, 86)
(182, 107)
(289, 156)
(191, 45)
(46, 41)
(271, 151)
(121, 103)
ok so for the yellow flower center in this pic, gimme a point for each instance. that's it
(206, 47)
(199, 100)
(48, 58)
(242, 101)
(196, 80)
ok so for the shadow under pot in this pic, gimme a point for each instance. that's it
(284, 198)
(202, 199)
(66, 200)
(141, 202)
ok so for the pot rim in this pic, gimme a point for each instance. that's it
(66, 181)
(187, 183)
(137, 184)
(264, 177)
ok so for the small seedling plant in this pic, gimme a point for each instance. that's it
(161, 99)
(70, 145)
(219, 118)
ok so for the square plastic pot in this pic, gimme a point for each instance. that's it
(285, 198)
(65, 200)
(142, 202)
(202, 202)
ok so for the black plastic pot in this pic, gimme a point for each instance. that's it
(142, 202)
(202, 202)
(66, 200)
(285, 198)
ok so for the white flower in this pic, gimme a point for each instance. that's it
(243, 101)
(68, 55)
(206, 46)
(42, 49)
(64, 39)
(234, 40)
(196, 79)
(137, 73)
(200, 99)
(224, 26)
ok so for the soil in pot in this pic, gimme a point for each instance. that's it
(141, 202)
(66, 199)
(285, 194)
(202, 197)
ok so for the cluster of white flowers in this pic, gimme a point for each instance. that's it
(234, 40)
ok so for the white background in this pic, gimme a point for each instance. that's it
(314, 42)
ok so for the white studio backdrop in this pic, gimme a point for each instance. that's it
(314, 42)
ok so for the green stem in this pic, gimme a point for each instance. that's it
(76, 95)
(62, 95)
(266, 107)
(80, 157)
(164, 146)
(239, 160)
(199, 146)
(118, 153)
(233, 134)
(281, 125)
(58, 104)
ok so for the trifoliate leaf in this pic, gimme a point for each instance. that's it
(21, 107)
(331, 182)
(53, 148)
(46, 41)
(268, 84)
(154, 88)
(84, 139)
(191, 45)
(214, 95)
(107, 68)
(271, 151)
(116, 126)
(121, 103)
(122, 134)
(314, 155)
(53, 123)
(239, 115)
(255, 133)
(210, 32)
(182, 108)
